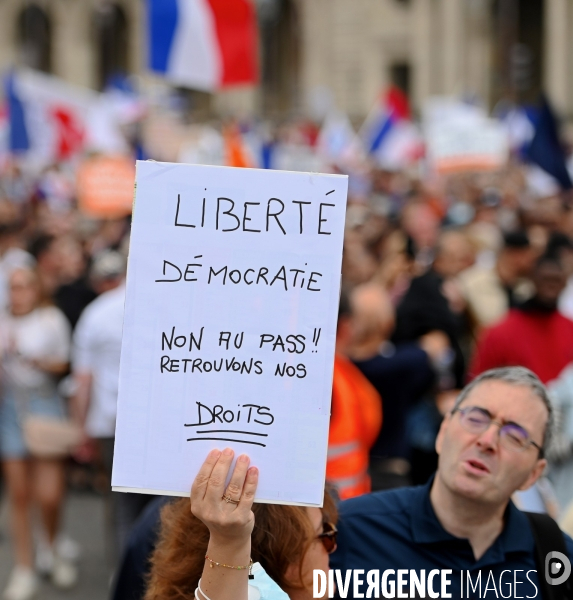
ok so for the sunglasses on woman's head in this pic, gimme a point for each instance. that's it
(328, 537)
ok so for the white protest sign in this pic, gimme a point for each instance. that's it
(461, 137)
(471, 147)
(229, 330)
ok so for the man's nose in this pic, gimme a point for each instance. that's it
(489, 439)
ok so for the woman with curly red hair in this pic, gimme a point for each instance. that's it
(211, 551)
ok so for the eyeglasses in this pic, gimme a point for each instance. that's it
(328, 537)
(511, 435)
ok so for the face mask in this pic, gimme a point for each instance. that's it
(262, 587)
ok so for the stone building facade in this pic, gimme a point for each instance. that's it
(345, 49)
(71, 38)
(488, 48)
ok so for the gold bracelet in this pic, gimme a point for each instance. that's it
(239, 568)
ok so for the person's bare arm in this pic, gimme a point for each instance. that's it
(80, 401)
(230, 525)
(51, 367)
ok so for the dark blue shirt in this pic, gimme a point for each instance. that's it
(398, 529)
(401, 375)
(130, 579)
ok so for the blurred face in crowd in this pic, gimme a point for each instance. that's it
(74, 263)
(24, 292)
(358, 263)
(455, 253)
(549, 280)
(522, 260)
(422, 224)
(372, 314)
(54, 257)
(477, 466)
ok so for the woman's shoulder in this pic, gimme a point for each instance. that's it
(264, 585)
(53, 318)
(52, 313)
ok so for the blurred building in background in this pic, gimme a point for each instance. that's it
(82, 42)
(315, 53)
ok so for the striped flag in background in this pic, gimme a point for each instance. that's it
(203, 44)
(51, 120)
(391, 108)
(389, 135)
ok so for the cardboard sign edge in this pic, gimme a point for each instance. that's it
(133, 490)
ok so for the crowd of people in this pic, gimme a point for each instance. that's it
(60, 364)
(444, 279)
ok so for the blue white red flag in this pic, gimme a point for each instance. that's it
(51, 120)
(203, 44)
(389, 136)
(390, 108)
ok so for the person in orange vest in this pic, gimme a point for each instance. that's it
(356, 417)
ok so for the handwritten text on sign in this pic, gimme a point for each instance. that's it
(230, 326)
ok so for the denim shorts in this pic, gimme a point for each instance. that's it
(32, 402)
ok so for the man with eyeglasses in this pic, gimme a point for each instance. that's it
(490, 445)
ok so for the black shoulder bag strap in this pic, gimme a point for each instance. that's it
(549, 538)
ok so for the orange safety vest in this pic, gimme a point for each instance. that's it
(355, 421)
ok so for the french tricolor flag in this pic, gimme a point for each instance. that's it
(391, 108)
(388, 135)
(51, 120)
(203, 44)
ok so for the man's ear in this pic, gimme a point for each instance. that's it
(535, 474)
(441, 432)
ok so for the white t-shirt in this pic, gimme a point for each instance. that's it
(43, 334)
(97, 349)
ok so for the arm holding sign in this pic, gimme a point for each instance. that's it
(230, 524)
(206, 551)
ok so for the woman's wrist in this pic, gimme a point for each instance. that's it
(233, 552)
